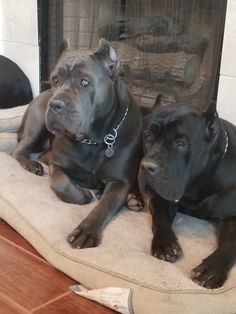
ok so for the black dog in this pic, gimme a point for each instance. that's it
(97, 136)
(189, 166)
(15, 89)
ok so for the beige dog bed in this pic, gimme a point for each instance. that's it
(123, 259)
(10, 120)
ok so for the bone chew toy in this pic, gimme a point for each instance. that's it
(118, 299)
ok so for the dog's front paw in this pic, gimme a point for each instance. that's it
(209, 274)
(33, 167)
(86, 235)
(166, 248)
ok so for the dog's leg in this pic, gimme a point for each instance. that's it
(213, 270)
(33, 136)
(45, 157)
(22, 155)
(89, 232)
(164, 244)
(66, 189)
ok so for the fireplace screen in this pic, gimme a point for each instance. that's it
(171, 47)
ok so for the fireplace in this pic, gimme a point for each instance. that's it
(171, 47)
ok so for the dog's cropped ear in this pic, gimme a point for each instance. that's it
(211, 117)
(64, 47)
(108, 56)
(158, 101)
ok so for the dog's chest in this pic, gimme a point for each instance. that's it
(197, 202)
(80, 161)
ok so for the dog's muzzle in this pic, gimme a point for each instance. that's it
(159, 180)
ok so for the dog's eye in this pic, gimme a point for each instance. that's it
(55, 80)
(84, 82)
(180, 144)
(148, 138)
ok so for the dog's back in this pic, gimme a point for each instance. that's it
(15, 89)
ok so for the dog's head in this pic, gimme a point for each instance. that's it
(83, 86)
(177, 144)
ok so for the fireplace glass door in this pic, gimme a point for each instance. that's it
(171, 47)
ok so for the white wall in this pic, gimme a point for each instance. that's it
(19, 37)
(226, 101)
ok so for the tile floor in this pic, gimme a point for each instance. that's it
(28, 284)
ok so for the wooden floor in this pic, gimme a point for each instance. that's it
(28, 284)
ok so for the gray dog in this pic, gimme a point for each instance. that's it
(93, 126)
(189, 166)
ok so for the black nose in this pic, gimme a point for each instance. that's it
(150, 166)
(57, 106)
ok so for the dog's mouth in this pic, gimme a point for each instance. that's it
(170, 190)
(57, 129)
(166, 192)
(54, 127)
(169, 195)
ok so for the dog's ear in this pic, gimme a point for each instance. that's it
(107, 54)
(158, 101)
(64, 47)
(211, 117)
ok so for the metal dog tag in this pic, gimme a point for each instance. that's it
(109, 140)
(109, 152)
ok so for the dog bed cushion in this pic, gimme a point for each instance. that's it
(123, 258)
(10, 120)
(8, 141)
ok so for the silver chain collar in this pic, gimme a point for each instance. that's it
(86, 141)
(109, 139)
(226, 144)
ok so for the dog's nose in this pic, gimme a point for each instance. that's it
(150, 166)
(57, 106)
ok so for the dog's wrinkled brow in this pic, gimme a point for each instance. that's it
(156, 129)
(63, 69)
(169, 115)
(164, 119)
(70, 68)
(77, 64)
